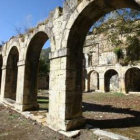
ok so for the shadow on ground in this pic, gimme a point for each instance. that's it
(127, 122)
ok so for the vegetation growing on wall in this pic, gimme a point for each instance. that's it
(119, 53)
(123, 30)
(133, 49)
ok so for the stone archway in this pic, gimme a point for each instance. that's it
(11, 74)
(132, 80)
(111, 81)
(93, 81)
(31, 69)
(67, 95)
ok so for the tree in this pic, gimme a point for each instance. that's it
(44, 63)
(43, 67)
(133, 49)
(122, 24)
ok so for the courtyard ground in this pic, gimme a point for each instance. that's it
(113, 112)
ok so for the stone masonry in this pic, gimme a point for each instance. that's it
(103, 71)
(66, 28)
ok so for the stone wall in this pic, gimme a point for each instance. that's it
(114, 83)
(66, 28)
(94, 81)
(99, 52)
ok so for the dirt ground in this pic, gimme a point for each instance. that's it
(13, 126)
(113, 112)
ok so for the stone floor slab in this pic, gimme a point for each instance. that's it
(110, 135)
(70, 134)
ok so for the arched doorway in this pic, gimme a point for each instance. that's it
(70, 89)
(111, 81)
(93, 81)
(11, 74)
(132, 80)
(32, 68)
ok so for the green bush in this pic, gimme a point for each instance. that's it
(119, 53)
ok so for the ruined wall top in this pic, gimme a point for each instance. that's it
(69, 6)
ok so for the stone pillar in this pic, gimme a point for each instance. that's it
(86, 74)
(86, 84)
(101, 82)
(86, 60)
(122, 84)
(65, 104)
(3, 81)
(22, 99)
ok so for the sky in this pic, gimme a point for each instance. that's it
(18, 14)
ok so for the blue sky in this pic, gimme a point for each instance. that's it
(23, 13)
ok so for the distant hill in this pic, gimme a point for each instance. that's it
(45, 54)
(44, 63)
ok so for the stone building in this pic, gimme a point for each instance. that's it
(103, 71)
(66, 28)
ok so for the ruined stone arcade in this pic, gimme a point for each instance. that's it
(66, 29)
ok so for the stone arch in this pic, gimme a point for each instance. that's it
(78, 25)
(93, 80)
(8, 49)
(132, 79)
(11, 73)
(31, 67)
(113, 68)
(39, 30)
(111, 78)
(66, 96)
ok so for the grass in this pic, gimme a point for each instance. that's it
(118, 94)
(43, 103)
(14, 116)
(43, 100)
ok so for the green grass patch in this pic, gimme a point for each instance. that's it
(43, 103)
(43, 100)
(118, 94)
(14, 116)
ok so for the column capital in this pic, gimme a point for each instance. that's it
(59, 53)
(21, 63)
(4, 67)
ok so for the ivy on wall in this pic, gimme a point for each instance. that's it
(123, 31)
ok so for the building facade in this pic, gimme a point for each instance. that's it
(102, 70)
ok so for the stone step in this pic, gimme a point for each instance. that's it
(110, 135)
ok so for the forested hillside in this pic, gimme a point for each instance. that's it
(45, 54)
(44, 64)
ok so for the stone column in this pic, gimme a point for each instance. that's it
(23, 101)
(86, 74)
(65, 104)
(86, 60)
(86, 84)
(101, 82)
(3, 81)
(122, 84)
